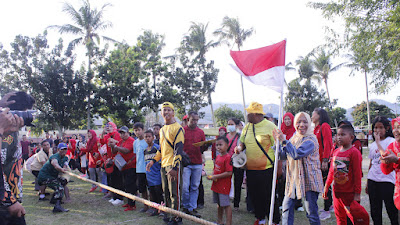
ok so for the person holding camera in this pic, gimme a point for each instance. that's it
(11, 210)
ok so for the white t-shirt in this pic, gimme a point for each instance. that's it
(375, 173)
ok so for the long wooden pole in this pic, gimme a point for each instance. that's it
(271, 208)
(144, 201)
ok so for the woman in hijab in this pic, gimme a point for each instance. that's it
(287, 125)
(95, 160)
(303, 172)
(114, 176)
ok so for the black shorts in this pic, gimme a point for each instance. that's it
(142, 182)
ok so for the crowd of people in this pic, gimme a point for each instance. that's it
(165, 164)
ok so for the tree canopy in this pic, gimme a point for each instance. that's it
(224, 112)
(371, 35)
(360, 112)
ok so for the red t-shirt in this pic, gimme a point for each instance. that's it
(326, 147)
(92, 159)
(104, 140)
(232, 143)
(71, 148)
(388, 168)
(25, 147)
(130, 157)
(193, 136)
(346, 171)
(222, 164)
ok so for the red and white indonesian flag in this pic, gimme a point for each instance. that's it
(263, 66)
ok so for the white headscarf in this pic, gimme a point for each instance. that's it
(297, 137)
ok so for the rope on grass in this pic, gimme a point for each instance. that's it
(144, 201)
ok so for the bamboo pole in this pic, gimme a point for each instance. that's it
(144, 201)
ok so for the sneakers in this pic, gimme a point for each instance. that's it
(192, 213)
(126, 205)
(300, 209)
(143, 210)
(111, 200)
(117, 202)
(331, 209)
(130, 208)
(93, 189)
(257, 222)
(195, 213)
(325, 215)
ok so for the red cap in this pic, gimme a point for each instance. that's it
(185, 117)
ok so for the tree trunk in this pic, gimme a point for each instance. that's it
(327, 92)
(212, 109)
(366, 90)
(155, 95)
(89, 92)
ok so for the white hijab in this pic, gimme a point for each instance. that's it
(297, 138)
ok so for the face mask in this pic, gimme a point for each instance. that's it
(231, 128)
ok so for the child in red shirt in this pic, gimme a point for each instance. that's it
(221, 185)
(345, 172)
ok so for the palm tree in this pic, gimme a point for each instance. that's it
(306, 69)
(232, 31)
(88, 22)
(358, 63)
(196, 42)
(323, 67)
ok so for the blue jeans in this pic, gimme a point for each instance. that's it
(310, 203)
(190, 187)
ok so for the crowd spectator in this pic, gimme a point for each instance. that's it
(323, 132)
(257, 139)
(192, 173)
(171, 147)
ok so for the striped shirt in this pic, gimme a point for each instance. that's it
(303, 168)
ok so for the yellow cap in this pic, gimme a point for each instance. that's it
(255, 107)
(167, 104)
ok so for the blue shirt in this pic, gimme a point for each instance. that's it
(154, 175)
(138, 148)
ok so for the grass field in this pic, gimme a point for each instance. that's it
(91, 209)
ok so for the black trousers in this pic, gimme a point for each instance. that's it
(156, 193)
(7, 219)
(116, 182)
(380, 192)
(329, 201)
(259, 184)
(237, 184)
(200, 198)
(129, 181)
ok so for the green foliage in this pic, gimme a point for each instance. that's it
(336, 115)
(371, 35)
(193, 76)
(132, 79)
(223, 113)
(304, 98)
(231, 30)
(48, 75)
(360, 114)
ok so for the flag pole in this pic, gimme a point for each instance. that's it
(244, 103)
(271, 208)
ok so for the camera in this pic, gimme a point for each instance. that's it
(27, 116)
(21, 107)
